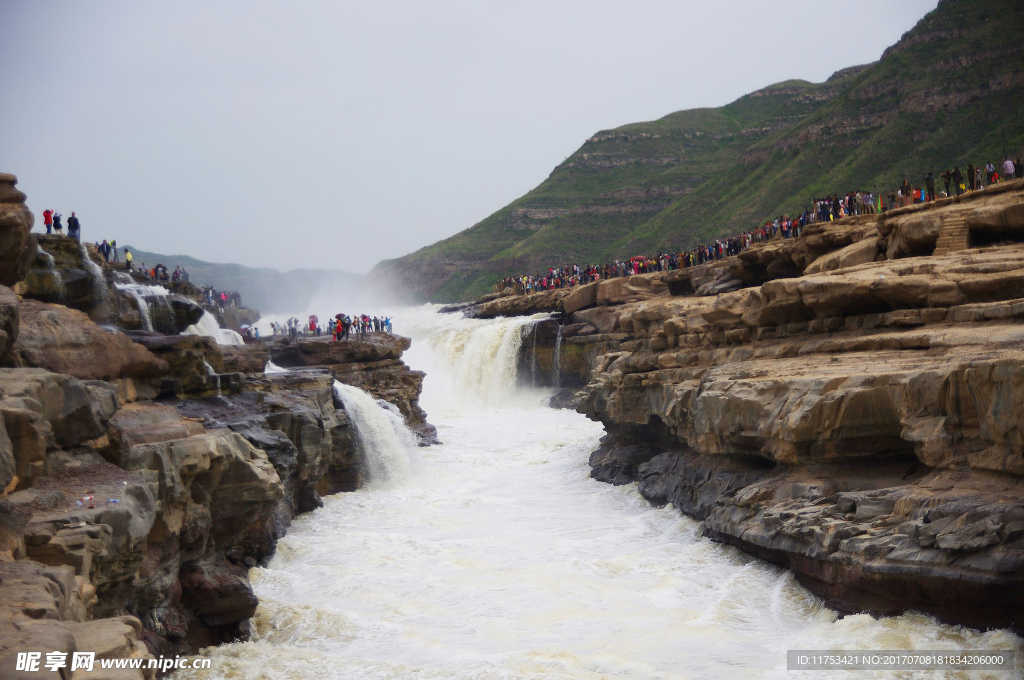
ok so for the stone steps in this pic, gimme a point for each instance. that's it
(953, 236)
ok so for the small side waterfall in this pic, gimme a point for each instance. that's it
(144, 296)
(556, 360)
(99, 285)
(212, 372)
(51, 271)
(272, 368)
(208, 326)
(531, 332)
(147, 321)
(385, 439)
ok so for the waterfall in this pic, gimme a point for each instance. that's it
(208, 326)
(531, 331)
(470, 362)
(272, 368)
(212, 372)
(51, 270)
(557, 361)
(99, 286)
(383, 436)
(140, 292)
(147, 321)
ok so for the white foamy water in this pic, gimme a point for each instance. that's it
(139, 292)
(208, 326)
(272, 368)
(498, 557)
(386, 441)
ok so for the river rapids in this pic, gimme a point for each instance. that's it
(495, 556)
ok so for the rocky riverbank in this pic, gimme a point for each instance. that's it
(846, 404)
(143, 472)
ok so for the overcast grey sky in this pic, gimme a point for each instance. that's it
(335, 134)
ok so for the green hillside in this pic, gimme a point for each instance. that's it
(950, 91)
(268, 290)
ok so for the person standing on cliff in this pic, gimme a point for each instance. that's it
(128, 259)
(958, 180)
(1008, 169)
(970, 177)
(990, 171)
(48, 220)
(74, 227)
(57, 226)
(929, 185)
(947, 177)
(113, 251)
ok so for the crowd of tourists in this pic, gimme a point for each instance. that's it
(220, 298)
(341, 327)
(825, 209)
(52, 222)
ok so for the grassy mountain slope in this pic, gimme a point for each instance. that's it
(268, 290)
(950, 91)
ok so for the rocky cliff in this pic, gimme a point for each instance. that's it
(846, 404)
(143, 473)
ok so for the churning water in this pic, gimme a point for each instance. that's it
(498, 557)
(208, 326)
(386, 441)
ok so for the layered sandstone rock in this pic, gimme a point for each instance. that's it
(846, 404)
(146, 473)
(65, 340)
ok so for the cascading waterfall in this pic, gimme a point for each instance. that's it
(271, 368)
(208, 326)
(212, 372)
(51, 271)
(531, 331)
(383, 436)
(140, 292)
(557, 360)
(471, 362)
(95, 272)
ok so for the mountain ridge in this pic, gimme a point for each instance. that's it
(947, 92)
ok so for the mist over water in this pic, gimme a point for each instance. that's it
(497, 556)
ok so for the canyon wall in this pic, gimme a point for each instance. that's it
(846, 404)
(143, 473)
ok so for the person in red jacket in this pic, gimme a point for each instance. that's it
(48, 220)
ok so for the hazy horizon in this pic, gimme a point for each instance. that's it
(325, 136)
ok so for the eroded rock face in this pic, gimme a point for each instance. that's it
(10, 323)
(147, 474)
(64, 340)
(846, 404)
(17, 245)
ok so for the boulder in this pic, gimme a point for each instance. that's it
(17, 245)
(580, 298)
(65, 340)
(914, 235)
(172, 314)
(860, 252)
(249, 358)
(76, 411)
